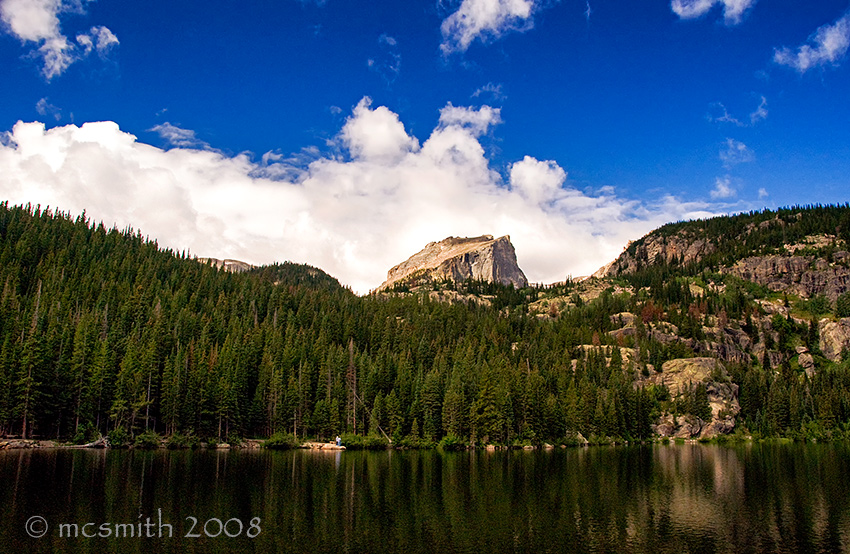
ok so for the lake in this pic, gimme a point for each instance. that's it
(658, 499)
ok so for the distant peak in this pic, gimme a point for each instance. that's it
(233, 266)
(460, 258)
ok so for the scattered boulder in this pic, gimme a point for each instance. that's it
(834, 337)
(623, 319)
(680, 374)
(807, 362)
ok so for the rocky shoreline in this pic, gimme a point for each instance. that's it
(15, 444)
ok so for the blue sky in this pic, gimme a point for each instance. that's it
(348, 134)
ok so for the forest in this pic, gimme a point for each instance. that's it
(102, 332)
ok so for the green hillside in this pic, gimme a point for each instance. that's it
(102, 331)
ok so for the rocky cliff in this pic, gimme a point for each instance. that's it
(682, 374)
(233, 266)
(834, 338)
(458, 259)
(683, 247)
(805, 276)
(809, 266)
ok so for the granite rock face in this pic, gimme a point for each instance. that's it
(232, 266)
(678, 375)
(834, 337)
(806, 276)
(458, 259)
(679, 247)
(787, 271)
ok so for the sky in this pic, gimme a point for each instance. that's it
(348, 134)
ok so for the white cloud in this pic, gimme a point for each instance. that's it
(477, 121)
(760, 113)
(733, 10)
(536, 181)
(376, 135)
(178, 137)
(827, 46)
(354, 218)
(44, 107)
(763, 193)
(38, 21)
(99, 38)
(736, 152)
(491, 90)
(719, 114)
(723, 189)
(32, 20)
(388, 64)
(484, 19)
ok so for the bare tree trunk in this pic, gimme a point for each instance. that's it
(148, 401)
(351, 378)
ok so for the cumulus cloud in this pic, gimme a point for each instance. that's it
(735, 152)
(37, 21)
(733, 10)
(723, 189)
(540, 182)
(476, 121)
(354, 215)
(484, 20)
(376, 135)
(828, 45)
(763, 193)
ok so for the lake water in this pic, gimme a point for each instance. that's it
(658, 499)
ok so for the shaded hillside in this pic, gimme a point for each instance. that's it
(297, 275)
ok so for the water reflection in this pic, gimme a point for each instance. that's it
(690, 498)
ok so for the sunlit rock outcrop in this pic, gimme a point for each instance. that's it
(458, 259)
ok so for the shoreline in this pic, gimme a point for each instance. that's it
(257, 444)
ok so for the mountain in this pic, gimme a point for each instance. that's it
(233, 266)
(729, 325)
(298, 275)
(800, 250)
(459, 259)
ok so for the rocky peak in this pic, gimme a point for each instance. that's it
(812, 265)
(680, 247)
(232, 266)
(461, 258)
